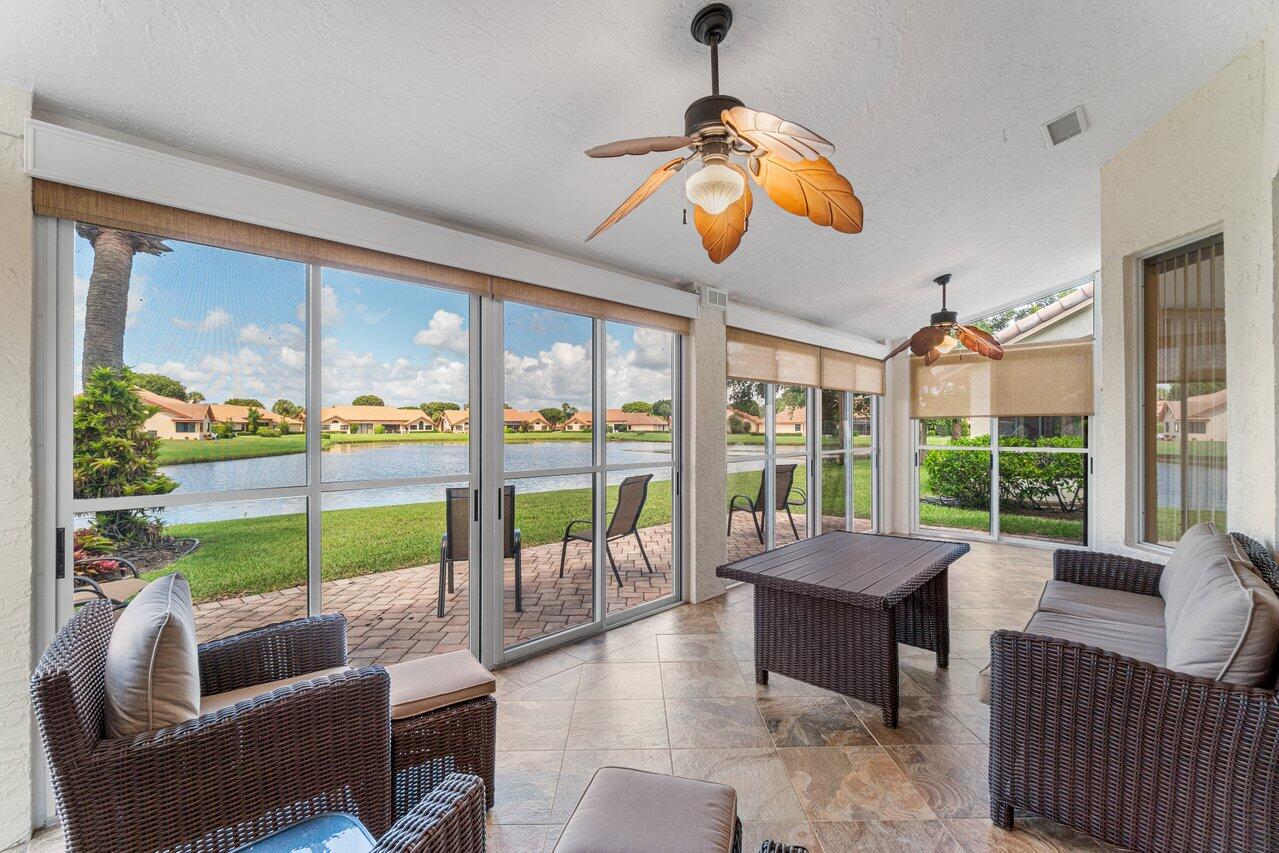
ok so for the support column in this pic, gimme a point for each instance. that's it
(16, 500)
(707, 469)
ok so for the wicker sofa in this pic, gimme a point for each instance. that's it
(226, 778)
(1123, 748)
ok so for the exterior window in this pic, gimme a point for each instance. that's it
(1184, 391)
(185, 426)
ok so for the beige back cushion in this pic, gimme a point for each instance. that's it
(1228, 628)
(1182, 570)
(152, 673)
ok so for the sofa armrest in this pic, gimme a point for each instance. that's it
(450, 818)
(273, 653)
(1110, 571)
(242, 772)
(1143, 756)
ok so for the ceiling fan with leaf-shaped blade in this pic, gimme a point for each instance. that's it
(944, 332)
(786, 160)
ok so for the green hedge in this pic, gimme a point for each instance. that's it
(1051, 482)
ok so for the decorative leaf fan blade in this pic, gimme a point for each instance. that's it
(979, 341)
(900, 349)
(722, 232)
(651, 184)
(810, 188)
(784, 139)
(645, 145)
(931, 356)
(926, 339)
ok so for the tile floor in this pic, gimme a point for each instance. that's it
(675, 693)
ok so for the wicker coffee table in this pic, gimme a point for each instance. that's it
(830, 610)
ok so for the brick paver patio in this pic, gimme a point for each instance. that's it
(391, 615)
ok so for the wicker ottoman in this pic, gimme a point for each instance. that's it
(633, 811)
(443, 720)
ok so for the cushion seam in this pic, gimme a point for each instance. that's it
(155, 645)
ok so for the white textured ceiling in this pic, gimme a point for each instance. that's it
(477, 113)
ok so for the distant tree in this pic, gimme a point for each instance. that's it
(113, 455)
(568, 410)
(286, 408)
(434, 407)
(410, 408)
(368, 400)
(195, 397)
(744, 395)
(507, 406)
(553, 414)
(662, 409)
(1004, 319)
(637, 407)
(791, 398)
(165, 386)
(251, 402)
(253, 420)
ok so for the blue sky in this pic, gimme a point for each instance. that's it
(230, 324)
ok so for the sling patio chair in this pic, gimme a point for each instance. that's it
(456, 544)
(118, 592)
(785, 488)
(631, 496)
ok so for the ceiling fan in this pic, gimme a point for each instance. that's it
(786, 160)
(944, 332)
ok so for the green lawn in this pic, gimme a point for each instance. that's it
(245, 556)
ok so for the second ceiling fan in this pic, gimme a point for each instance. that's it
(786, 160)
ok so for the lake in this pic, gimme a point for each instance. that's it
(354, 462)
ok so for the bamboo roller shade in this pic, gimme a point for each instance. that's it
(113, 211)
(765, 358)
(1032, 379)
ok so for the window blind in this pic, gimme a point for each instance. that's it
(1045, 379)
(765, 358)
(112, 211)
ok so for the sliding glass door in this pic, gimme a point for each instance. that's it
(446, 469)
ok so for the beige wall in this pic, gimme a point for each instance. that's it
(1207, 166)
(16, 502)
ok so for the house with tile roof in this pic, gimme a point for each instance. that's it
(363, 420)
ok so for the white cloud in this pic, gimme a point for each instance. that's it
(561, 374)
(330, 311)
(216, 318)
(444, 332)
(368, 315)
(280, 334)
(642, 373)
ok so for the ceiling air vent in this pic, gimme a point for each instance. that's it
(1065, 127)
(713, 297)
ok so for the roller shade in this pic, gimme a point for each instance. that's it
(765, 358)
(1032, 379)
(562, 300)
(113, 211)
(843, 371)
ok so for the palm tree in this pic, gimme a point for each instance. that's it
(107, 305)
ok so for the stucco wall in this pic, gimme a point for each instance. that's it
(1200, 169)
(16, 503)
(708, 501)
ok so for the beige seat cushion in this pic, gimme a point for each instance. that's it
(1142, 642)
(217, 701)
(417, 686)
(422, 685)
(152, 675)
(1229, 627)
(1181, 572)
(1072, 599)
(983, 685)
(633, 811)
(121, 590)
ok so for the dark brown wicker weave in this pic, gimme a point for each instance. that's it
(449, 819)
(831, 610)
(426, 748)
(1126, 751)
(223, 779)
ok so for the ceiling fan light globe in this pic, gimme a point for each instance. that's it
(947, 344)
(714, 187)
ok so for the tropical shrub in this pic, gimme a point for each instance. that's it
(222, 429)
(961, 476)
(252, 421)
(1049, 482)
(379, 429)
(113, 454)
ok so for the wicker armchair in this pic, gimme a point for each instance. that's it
(227, 778)
(1126, 751)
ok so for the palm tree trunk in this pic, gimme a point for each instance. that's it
(107, 305)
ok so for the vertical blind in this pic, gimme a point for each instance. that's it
(765, 358)
(1184, 390)
(1048, 379)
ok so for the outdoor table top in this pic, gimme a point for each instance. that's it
(866, 569)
